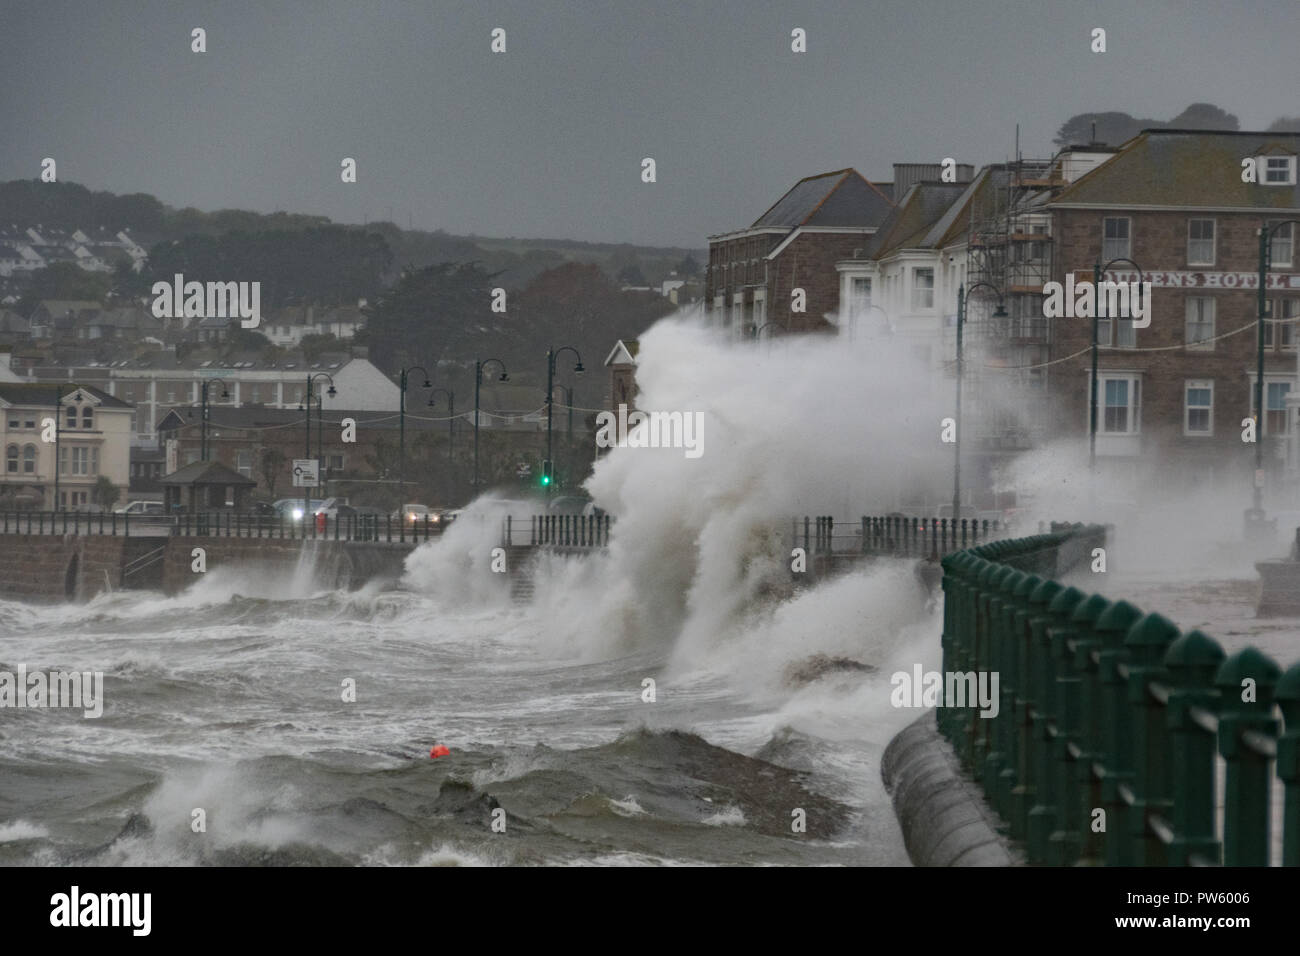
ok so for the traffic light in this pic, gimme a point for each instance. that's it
(546, 472)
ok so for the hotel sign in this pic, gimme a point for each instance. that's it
(1207, 280)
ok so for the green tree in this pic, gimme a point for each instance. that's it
(313, 345)
(67, 280)
(631, 274)
(440, 311)
(105, 493)
(269, 465)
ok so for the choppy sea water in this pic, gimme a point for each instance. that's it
(228, 699)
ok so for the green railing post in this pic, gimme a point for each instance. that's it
(1041, 818)
(1019, 697)
(1003, 663)
(1085, 750)
(1193, 660)
(1114, 772)
(1288, 763)
(986, 759)
(1246, 681)
(1147, 641)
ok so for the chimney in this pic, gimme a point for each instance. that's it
(906, 174)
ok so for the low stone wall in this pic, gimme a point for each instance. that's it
(50, 568)
(941, 811)
(337, 564)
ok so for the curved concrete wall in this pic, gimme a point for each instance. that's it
(941, 811)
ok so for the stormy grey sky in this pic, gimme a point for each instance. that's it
(546, 140)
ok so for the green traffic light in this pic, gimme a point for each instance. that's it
(546, 479)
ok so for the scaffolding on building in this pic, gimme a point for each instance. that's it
(1010, 248)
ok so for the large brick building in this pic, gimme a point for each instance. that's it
(794, 244)
(1173, 395)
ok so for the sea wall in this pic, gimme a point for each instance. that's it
(54, 567)
(941, 811)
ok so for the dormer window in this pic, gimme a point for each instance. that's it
(1278, 170)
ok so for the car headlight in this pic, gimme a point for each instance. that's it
(297, 514)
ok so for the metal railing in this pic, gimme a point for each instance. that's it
(1103, 747)
(557, 531)
(224, 524)
(888, 535)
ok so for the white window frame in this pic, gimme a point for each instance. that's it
(1266, 161)
(1276, 261)
(1188, 340)
(1205, 384)
(1108, 256)
(1269, 381)
(917, 289)
(1213, 240)
(1134, 403)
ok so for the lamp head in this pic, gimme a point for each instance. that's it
(579, 369)
(428, 384)
(999, 312)
(332, 391)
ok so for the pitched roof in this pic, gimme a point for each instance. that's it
(206, 473)
(909, 224)
(840, 198)
(31, 393)
(61, 307)
(1170, 167)
(623, 353)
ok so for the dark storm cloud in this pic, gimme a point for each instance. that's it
(547, 139)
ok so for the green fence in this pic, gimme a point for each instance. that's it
(1103, 749)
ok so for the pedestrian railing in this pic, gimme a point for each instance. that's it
(225, 524)
(889, 535)
(1104, 746)
(557, 531)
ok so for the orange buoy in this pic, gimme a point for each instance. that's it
(440, 750)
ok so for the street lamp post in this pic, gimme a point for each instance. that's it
(203, 411)
(322, 484)
(567, 392)
(1256, 513)
(1098, 270)
(999, 313)
(479, 365)
(551, 355)
(401, 435)
(59, 392)
(306, 418)
(451, 420)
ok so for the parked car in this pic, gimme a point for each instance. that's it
(291, 508)
(412, 513)
(141, 508)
